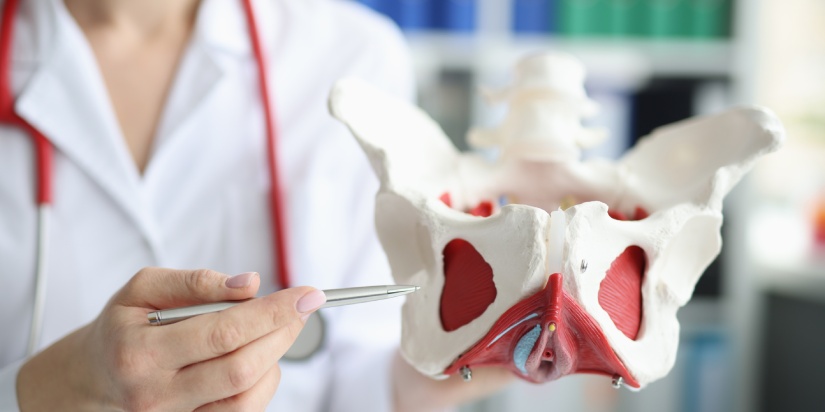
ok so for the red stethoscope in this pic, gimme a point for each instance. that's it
(312, 337)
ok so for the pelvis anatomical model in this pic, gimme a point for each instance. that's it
(538, 261)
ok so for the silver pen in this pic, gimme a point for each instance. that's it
(335, 297)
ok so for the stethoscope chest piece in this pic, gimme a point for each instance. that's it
(309, 341)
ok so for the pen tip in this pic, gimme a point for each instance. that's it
(402, 289)
(417, 287)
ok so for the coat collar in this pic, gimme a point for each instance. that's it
(222, 25)
(65, 98)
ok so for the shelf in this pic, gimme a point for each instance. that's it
(624, 61)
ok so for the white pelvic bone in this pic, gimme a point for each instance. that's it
(680, 174)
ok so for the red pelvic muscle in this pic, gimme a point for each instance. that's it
(446, 199)
(620, 293)
(577, 345)
(483, 209)
(468, 285)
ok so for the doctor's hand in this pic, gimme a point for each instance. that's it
(223, 360)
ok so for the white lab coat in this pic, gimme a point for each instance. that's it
(201, 202)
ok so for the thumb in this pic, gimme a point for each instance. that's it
(160, 288)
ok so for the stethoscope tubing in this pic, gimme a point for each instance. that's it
(44, 212)
(44, 153)
(276, 195)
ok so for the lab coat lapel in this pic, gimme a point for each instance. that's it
(223, 26)
(197, 77)
(220, 44)
(66, 100)
(201, 70)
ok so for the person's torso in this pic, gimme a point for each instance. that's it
(203, 199)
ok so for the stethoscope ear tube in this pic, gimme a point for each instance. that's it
(43, 221)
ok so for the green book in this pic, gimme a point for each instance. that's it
(670, 18)
(585, 17)
(628, 17)
(711, 18)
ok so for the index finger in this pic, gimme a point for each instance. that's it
(212, 335)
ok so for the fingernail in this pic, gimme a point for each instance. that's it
(311, 301)
(241, 281)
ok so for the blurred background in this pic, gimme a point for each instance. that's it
(753, 337)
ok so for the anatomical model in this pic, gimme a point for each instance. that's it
(541, 262)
